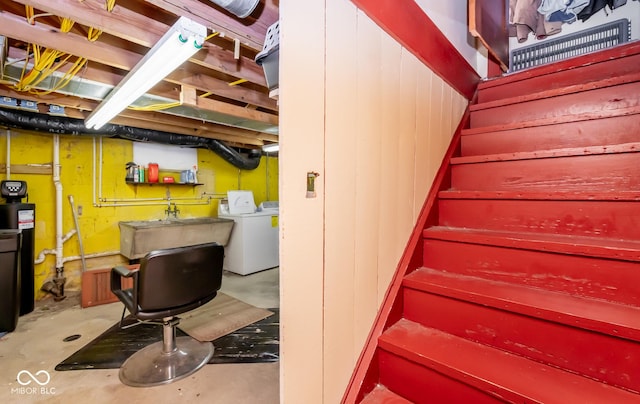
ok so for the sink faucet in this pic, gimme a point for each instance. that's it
(173, 212)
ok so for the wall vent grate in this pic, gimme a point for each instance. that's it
(579, 43)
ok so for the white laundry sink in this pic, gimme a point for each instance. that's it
(137, 238)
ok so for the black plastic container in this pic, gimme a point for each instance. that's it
(17, 215)
(9, 279)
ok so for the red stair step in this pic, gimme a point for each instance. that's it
(539, 154)
(584, 69)
(552, 121)
(607, 219)
(608, 98)
(589, 337)
(567, 244)
(591, 314)
(382, 395)
(580, 275)
(542, 195)
(542, 92)
(544, 326)
(423, 385)
(530, 136)
(585, 173)
(409, 351)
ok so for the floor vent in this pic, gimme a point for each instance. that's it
(586, 41)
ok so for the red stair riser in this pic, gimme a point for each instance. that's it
(584, 218)
(605, 172)
(606, 131)
(610, 359)
(612, 280)
(423, 385)
(609, 98)
(578, 76)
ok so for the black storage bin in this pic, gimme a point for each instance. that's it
(17, 215)
(10, 241)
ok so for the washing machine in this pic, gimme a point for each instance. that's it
(254, 242)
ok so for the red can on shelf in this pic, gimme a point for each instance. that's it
(152, 172)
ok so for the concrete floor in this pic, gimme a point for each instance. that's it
(37, 344)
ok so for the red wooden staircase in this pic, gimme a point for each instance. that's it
(522, 281)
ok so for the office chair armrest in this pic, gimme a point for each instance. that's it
(124, 271)
(119, 272)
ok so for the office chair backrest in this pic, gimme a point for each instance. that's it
(180, 276)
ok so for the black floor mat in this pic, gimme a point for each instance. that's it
(255, 343)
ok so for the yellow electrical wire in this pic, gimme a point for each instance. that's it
(95, 33)
(155, 107)
(235, 83)
(212, 35)
(47, 61)
(44, 60)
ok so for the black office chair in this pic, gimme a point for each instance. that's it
(169, 282)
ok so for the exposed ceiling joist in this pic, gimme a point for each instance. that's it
(133, 26)
(251, 32)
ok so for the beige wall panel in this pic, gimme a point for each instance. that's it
(445, 125)
(340, 200)
(390, 98)
(423, 178)
(460, 105)
(368, 187)
(406, 151)
(301, 219)
(435, 124)
(367, 116)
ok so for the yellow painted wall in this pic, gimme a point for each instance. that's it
(374, 122)
(98, 223)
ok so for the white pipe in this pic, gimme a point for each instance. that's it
(115, 205)
(67, 236)
(58, 187)
(42, 254)
(100, 172)
(93, 172)
(92, 255)
(165, 200)
(53, 251)
(8, 154)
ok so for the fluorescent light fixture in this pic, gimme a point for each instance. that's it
(269, 148)
(181, 42)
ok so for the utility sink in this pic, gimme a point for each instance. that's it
(137, 238)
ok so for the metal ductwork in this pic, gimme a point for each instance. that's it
(63, 125)
(240, 8)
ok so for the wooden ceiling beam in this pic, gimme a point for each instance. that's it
(178, 78)
(145, 31)
(150, 120)
(197, 125)
(250, 31)
(180, 130)
(18, 28)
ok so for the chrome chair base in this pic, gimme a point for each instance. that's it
(151, 366)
